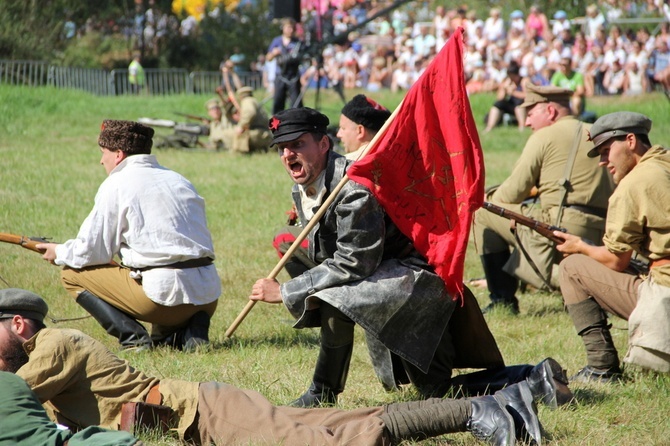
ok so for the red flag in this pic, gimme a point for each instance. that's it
(427, 169)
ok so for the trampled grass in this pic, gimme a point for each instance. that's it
(49, 175)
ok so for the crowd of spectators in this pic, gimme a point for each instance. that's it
(605, 58)
(392, 50)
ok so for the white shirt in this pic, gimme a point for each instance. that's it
(149, 216)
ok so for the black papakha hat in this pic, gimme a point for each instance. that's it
(366, 112)
(15, 301)
(617, 124)
(291, 124)
(128, 136)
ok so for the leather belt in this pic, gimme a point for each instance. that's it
(598, 212)
(154, 396)
(193, 263)
(659, 262)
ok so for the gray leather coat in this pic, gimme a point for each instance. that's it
(371, 272)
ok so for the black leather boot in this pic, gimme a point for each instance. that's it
(129, 332)
(548, 383)
(330, 376)
(491, 422)
(519, 402)
(502, 286)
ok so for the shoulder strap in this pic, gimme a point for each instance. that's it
(564, 182)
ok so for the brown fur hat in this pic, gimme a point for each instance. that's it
(126, 136)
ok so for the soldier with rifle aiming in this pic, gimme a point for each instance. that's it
(593, 280)
(554, 182)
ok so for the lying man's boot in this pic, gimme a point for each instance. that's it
(519, 402)
(549, 384)
(589, 374)
(491, 422)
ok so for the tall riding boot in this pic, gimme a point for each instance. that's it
(129, 332)
(501, 285)
(330, 376)
(601, 355)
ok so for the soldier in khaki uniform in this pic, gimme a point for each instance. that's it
(82, 383)
(251, 131)
(222, 125)
(542, 187)
(593, 279)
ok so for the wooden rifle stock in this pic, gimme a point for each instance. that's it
(21, 240)
(541, 228)
(195, 117)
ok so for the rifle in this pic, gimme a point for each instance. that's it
(543, 229)
(636, 266)
(21, 240)
(195, 117)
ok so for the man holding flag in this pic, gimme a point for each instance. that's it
(370, 272)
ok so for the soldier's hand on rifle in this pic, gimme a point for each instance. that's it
(49, 251)
(266, 290)
(572, 244)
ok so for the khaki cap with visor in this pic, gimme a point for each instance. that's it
(539, 95)
(617, 124)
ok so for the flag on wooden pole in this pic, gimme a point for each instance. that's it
(427, 169)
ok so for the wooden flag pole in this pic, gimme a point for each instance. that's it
(306, 230)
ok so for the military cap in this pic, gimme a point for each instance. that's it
(617, 124)
(291, 124)
(538, 95)
(245, 91)
(15, 301)
(128, 136)
(212, 103)
(366, 112)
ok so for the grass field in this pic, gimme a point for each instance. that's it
(49, 176)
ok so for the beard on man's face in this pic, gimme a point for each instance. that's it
(14, 356)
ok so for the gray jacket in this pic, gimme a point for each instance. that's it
(371, 272)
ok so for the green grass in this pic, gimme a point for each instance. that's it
(49, 175)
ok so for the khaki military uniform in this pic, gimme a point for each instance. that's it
(221, 134)
(542, 165)
(256, 136)
(637, 220)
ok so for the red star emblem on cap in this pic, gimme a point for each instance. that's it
(274, 123)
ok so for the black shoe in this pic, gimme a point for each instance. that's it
(590, 375)
(549, 384)
(197, 331)
(511, 306)
(491, 422)
(519, 402)
(316, 396)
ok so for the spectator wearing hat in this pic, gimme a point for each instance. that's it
(86, 385)
(516, 21)
(558, 139)
(251, 131)
(637, 224)
(368, 273)
(561, 23)
(154, 220)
